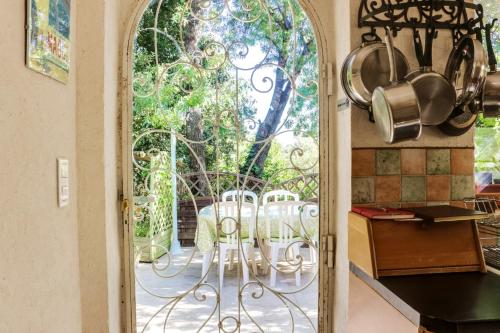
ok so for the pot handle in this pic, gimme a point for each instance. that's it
(419, 50)
(392, 59)
(492, 60)
(430, 35)
(370, 37)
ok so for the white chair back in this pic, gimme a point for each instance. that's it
(244, 196)
(285, 216)
(230, 213)
(279, 195)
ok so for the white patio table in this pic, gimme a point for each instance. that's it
(206, 232)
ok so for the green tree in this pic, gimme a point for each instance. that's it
(173, 43)
(487, 135)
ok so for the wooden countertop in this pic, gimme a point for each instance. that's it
(442, 303)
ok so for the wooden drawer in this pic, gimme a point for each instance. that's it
(386, 247)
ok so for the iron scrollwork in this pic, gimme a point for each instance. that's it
(203, 60)
(453, 15)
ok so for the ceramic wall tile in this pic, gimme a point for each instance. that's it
(389, 205)
(371, 205)
(438, 188)
(411, 177)
(462, 187)
(363, 162)
(438, 161)
(388, 162)
(462, 161)
(460, 204)
(437, 203)
(412, 204)
(413, 161)
(388, 188)
(363, 190)
(413, 188)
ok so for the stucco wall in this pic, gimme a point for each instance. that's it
(97, 141)
(39, 270)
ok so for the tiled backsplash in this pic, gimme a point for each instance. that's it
(412, 176)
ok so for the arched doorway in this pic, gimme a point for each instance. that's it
(230, 92)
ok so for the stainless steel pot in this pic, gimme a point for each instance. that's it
(491, 90)
(466, 69)
(396, 107)
(436, 95)
(461, 120)
(367, 68)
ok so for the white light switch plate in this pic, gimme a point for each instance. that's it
(62, 182)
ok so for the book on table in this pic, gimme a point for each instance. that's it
(447, 213)
(383, 213)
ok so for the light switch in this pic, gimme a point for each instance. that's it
(63, 181)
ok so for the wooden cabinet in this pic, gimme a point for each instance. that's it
(390, 248)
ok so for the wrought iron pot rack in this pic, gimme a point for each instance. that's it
(458, 16)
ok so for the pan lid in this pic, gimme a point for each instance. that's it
(367, 68)
(466, 69)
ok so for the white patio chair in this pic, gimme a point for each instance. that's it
(279, 195)
(236, 195)
(244, 196)
(229, 213)
(286, 215)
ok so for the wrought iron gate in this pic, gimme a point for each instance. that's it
(225, 101)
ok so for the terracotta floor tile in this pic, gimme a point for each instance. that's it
(388, 189)
(363, 162)
(438, 188)
(413, 161)
(462, 161)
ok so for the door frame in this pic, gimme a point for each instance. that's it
(319, 13)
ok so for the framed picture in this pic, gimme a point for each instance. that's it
(48, 37)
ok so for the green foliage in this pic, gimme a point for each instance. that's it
(158, 215)
(487, 136)
(487, 146)
(492, 11)
(170, 82)
(285, 160)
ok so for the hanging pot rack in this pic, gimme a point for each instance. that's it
(457, 16)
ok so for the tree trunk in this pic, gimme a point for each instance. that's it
(194, 132)
(194, 118)
(260, 150)
(282, 89)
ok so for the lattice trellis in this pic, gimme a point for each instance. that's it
(307, 186)
(156, 207)
(223, 181)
